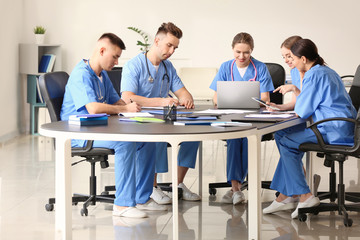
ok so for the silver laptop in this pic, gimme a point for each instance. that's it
(238, 94)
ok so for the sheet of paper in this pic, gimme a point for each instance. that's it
(269, 115)
(136, 114)
(178, 107)
(224, 111)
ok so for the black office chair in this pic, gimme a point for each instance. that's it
(278, 76)
(52, 87)
(339, 154)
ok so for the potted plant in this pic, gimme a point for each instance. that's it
(144, 46)
(39, 34)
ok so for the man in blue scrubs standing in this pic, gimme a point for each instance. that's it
(89, 90)
(147, 80)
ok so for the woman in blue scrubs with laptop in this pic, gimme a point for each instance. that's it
(242, 68)
(322, 96)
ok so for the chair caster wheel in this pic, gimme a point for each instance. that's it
(84, 212)
(49, 207)
(212, 191)
(302, 217)
(348, 222)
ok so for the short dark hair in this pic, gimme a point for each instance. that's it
(243, 37)
(115, 40)
(308, 49)
(290, 41)
(170, 28)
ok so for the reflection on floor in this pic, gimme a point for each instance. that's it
(27, 180)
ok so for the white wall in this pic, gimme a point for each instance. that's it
(10, 87)
(208, 27)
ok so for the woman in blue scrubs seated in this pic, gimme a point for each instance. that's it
(322, 96)
(89, 90)
(147, 79)
(243, 68)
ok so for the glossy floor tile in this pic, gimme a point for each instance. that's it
(27, 180)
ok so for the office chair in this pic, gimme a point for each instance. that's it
(340, 154)
(52, 87)
(278, 76)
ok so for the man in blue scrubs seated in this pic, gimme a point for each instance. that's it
(243, 68)
(147, 79)
(322, 96)
(89, 90)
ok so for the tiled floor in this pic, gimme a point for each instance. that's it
(27, 180)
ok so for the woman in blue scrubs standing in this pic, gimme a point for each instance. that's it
(322, 96)
(243, 68)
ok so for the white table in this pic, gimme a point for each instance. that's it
(154, 132)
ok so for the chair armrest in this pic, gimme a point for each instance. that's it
(346, 76)
(318, 135)
(85, 149)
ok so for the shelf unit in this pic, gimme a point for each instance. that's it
(30, 56)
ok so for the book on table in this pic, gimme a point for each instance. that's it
(89, 119)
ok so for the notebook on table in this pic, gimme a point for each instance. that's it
(238, 94)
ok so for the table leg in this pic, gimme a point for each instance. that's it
(254, 186)
(175, 200)
(63, 213)
(200, 167)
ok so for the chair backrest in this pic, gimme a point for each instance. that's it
(52, 87)
(355, 89)
(278, 76)
(197, 81)
(115, 77)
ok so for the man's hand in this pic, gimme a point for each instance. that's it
(132, 107)
(187, 102)
(169, 101)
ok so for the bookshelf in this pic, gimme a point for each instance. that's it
(29, 59)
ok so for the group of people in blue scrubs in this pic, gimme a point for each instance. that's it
(147, 80)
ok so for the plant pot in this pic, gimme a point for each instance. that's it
(39, 38)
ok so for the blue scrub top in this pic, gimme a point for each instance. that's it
(263, 75)
(135, 78)
(323, 95)
(84, 87)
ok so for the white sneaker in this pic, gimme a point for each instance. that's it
(187, 194)
(276, 206)
(238, 197)
(228, 197)
(310, 202)
(130, 212)
(152, 206)
(159, 196)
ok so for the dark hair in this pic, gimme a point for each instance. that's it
(290, 41)
(115, 40)
(243, 37)
(170, 28)
(308, 49)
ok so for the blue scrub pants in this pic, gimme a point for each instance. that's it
(186, 157)
(237, 159)
(289, 178)
(134, 170)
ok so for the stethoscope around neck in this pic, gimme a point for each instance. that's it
(232, 72)
(151, 79)
(99, 94)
